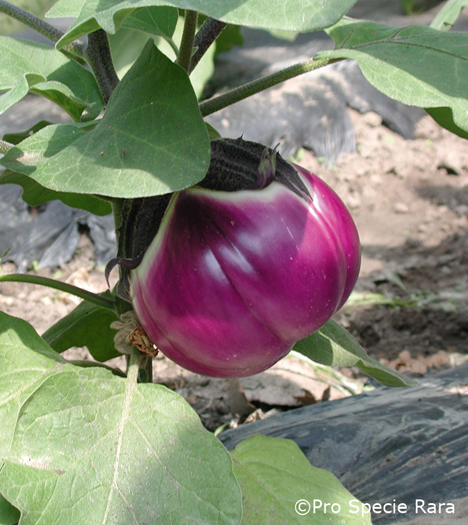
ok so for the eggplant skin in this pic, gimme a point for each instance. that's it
(232, 280)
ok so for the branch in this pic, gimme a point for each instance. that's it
(100, 60)
(251, 88)
(40, 26)
(186, 45)
(58, 285)
(208, 33)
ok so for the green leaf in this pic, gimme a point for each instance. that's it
(157, 21)
(278, 482)
(444, 117)
(231, 36)
(31, 67)
(127, 44)
(16, 138)
(449, 14)
(332, 345)
(293, 15)
(80, 445)
(34, 194)
(151, 141)
(212, 132)
(416, 65)
(9, 515)
(87, 325)
(205, 68)
(36, 150)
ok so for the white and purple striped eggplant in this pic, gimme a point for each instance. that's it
(233, 279)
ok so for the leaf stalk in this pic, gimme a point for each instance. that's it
(186, 46)
(252, 88)
(100, 60)
(207, 34)
(40, 26)
(58, 285)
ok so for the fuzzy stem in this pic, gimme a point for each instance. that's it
(100, 60)
(251, 88)
(186, 45)
(133, 367)
(5, 147)
(208, 33)
(40, 26)
(58, 285)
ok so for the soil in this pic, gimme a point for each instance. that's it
(409, 199)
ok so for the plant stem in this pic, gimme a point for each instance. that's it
(100, 60)
(40, 26)
(5, 147)
(133, 367)
(186, 45)
(147, 376)
(247, 90)
(208, 33)
(58, 285)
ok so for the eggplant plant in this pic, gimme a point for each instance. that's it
(229, 257)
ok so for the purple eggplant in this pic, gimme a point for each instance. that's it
(233, 279)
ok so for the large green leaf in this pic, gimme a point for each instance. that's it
(83, 446)
(151, 141)
(292, 15)
(419, 66)
(87, 325)
(280, 486)
(28, 66)
(332, 345)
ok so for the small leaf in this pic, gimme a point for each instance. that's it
(212, 132)
(332, 345)
(416, 65)
(34, 194)
(157, 21)
(127, 44)
(87, 325)
(80, 445)
(280, 486)
(230, 37)
(293, 15)
(16, 138)
(151, 141)
(449, 14)
(29, 66)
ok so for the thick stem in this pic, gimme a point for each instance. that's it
(58, 285)
(208, 33)
(40, 26)
(247, 90)
(186, 45)
(5, 147)
(100, 60)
